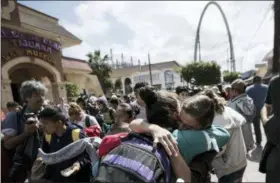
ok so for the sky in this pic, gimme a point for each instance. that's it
(166, 29)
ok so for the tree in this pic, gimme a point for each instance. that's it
(100, 68)
(118, 84)
(229, 77)
(204, 73)
(72, 91)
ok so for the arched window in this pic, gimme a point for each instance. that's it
(169, 77)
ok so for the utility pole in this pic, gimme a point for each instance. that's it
(150, 70)
(131, 60)
(276, 49)
(122, 58)
(112, 59)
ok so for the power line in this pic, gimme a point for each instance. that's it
(261, 23)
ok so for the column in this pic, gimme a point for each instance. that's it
(49, 94)
(7, 94)
(59, 90)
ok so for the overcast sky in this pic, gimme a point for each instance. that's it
(166, 29)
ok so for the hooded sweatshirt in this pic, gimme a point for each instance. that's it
(195, 142)
(233, 158)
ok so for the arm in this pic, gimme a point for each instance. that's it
(267, 109)
(10, 131)
(180, 168)
(159, 134)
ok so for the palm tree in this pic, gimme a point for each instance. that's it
(100, 68)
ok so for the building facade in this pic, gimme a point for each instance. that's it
(165, 76)
(31, 48)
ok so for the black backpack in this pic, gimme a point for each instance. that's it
(135, 160)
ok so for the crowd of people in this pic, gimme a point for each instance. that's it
(150, 136)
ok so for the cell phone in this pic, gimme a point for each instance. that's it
(67, 172)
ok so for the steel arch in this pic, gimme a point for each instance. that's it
(197, 39)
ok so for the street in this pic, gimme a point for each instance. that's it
(252, 173)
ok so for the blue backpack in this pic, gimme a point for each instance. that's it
(135, 160)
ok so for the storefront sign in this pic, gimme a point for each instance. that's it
(30, 41)
(35, 53)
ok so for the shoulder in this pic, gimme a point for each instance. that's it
(10, 118)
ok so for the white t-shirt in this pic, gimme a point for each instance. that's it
(92, 121)
(234, 156)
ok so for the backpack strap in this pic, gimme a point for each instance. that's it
(87, 121)
(76, 134)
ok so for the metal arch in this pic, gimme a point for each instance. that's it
(197, 39)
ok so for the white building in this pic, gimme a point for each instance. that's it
(165, 76)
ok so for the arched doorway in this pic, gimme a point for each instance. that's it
(22, 72)
(127, 85)
(20, 69)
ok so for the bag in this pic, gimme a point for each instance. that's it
(93, 131)
(38, 170)
(247, 109)
(135, 160)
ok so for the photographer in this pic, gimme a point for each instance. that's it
(20, 132)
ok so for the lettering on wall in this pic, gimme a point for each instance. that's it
(35, 53)
(34, 45)
(10, 56)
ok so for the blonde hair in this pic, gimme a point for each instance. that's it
(74, 109)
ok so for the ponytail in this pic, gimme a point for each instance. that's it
(218, 102)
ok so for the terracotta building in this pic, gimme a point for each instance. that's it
(31, 47)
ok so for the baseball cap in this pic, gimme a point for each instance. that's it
(238, 84)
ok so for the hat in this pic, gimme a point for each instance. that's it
(238, 84)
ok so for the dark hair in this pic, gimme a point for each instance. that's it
(257, 79)
(130, 110)
(160, 107)
(114, 101)
(218, 101)
(139, 85)
(81, 100)
(12, 104)
(202, 108)
(52, 114)
(181, 89)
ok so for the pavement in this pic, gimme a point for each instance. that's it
(252, 173)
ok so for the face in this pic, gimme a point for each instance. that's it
(139, 100)
(13, 109)
(114, 105)
(75, 118)
(100, 106)
(188, 121)
(183, 96)
(36, 100)
(48, 126)
(120, 115)
(233, 93)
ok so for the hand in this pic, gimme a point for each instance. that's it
(31, 128)
(165, 138)
(76, 166)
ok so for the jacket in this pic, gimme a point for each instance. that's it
(233, 158)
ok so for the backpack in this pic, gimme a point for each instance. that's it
(75, 136)
(247, 109)
(87, 121)
(135, 160)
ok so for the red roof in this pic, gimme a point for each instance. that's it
(73, 63)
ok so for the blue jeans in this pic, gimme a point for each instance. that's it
(233, 177)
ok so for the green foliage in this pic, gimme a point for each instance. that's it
(118, 84)
(204, 73)
(100, 68)
(72, 91)
(229, 77)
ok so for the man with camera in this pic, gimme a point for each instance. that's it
(21, 138)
